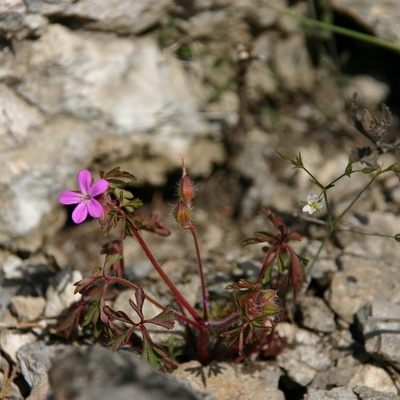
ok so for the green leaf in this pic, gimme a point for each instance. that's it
(368, 170)
(285, 158)
(91, 315)
(397, 237)
(149, 355)
(349, 169)
(298, 162)
(250, 241)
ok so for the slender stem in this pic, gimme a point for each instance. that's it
(332, 226)
(201, 273)
(369, 184)
(156, 264)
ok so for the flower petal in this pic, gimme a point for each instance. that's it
(84, 181)
(95, 208)
(69, 197)
(99, 187)
(80, 213)
(308, 209)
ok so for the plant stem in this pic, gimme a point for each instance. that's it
(156, 264)
(333, 223)
(201, 273)
(131, 285)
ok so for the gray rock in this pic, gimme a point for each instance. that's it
(123, 17)
(379, 323)
(117, 375)
(316, 315)
(34, 359)
(229, 381)
(375, 378)
(27, 308)
(305, 356)
(383, 17)
(17, 23)
(365, 393)
(362, 280)
(12, 341)
(86, 95)
(60, 293)
(340, 393)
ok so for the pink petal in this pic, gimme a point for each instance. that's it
(80, 213)
(84, 181)
(98, 187)
(69, 197)
(95, 208)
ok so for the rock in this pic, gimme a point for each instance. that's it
(11, 342)
(382, 18)
(351, 286)
(293, 65)
(10, 391)
(226, 381)
(375, 378)
(339, 393)
(34, 359)
(366, 393)
(316, 315)
(120, 16)
(379, 324)
(60, 293)
(17, 23)
(339, 374)
(372, 91)
(83, 96)
(27, 308)
(117, 375)
(12, 267)
(305, 355)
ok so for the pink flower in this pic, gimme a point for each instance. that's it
(86, 198)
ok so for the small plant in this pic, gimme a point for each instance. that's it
(246, 324)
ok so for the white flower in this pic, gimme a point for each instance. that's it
(313, 204)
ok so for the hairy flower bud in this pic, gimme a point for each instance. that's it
(182, 213)
(186, 190)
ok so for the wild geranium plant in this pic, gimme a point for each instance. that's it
(247, 325)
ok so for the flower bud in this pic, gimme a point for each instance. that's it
(182, 213)
(186, 190)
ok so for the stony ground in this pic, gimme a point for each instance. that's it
(287, 94)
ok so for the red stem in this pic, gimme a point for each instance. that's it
(178, 295)
(130, 284)
(267, 263)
